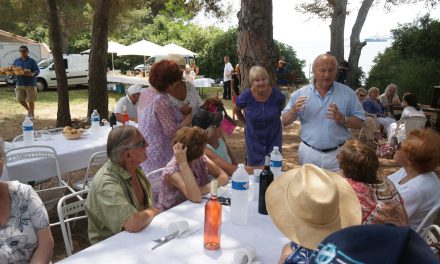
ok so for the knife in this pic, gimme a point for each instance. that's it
(165, 239)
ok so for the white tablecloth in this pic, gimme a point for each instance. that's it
(127, 79)
(72, 155)
(204, 82)
(135, 248)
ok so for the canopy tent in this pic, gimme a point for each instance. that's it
(176, 49)
(142, 48)
(113, 48)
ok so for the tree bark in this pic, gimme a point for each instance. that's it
(337, 27)
(255, 39)
(63, 113)
(98, 96)
(355, 44)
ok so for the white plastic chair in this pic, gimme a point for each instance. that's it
(97, 159)
(429, 219)
(432, 237)
(50, 195)
(65, 210)
(411, 123)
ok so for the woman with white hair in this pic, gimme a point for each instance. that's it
(25, 235)
(374, 107)
(389, 97)
(189, 74)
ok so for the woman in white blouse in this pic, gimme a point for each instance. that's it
(25, 235)
(416, 181)
(411, 109)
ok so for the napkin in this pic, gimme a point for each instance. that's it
(180, 226)
(244, 256)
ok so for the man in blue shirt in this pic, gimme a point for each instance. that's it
(326, 109)
(26, 91)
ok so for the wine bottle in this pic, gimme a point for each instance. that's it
(213, 219)
(266, 178)
(113, 120)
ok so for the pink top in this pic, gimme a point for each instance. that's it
(170, 196)
(158, 122)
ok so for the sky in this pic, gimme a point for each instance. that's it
(311, 37)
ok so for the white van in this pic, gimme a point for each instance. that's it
(77, 71)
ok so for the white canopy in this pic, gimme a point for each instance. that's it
(113, 47)
(142, 48)
(176, 49)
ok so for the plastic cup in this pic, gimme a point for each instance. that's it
(257, 173)
(244, 255)
(180, 226)
(46, 136)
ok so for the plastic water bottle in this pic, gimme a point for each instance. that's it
(276, 162)
(240, 196)
(28, 131)
(94, 121)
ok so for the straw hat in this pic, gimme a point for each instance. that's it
(309, 203)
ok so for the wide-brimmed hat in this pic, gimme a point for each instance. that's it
(309, 203)
(205, 119)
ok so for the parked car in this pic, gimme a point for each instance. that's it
(77, 71)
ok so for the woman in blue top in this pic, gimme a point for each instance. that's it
(262, 106)
(373, 106)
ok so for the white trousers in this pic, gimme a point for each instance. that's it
(323, 160)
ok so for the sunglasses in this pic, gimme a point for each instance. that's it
(141, 144)
(362, 95)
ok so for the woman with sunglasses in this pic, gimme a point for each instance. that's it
(371, 125)
(120, 197)
(416, 181)
(185, 177)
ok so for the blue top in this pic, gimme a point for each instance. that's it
(29, 64)
(373, 107)
(221, 151)
(318, 130)
(300, 255)
(263, 125)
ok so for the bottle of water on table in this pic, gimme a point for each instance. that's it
(28, 131)
(94, 122)
(276, 162)
(240, 196)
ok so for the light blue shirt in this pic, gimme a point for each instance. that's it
(317, 129)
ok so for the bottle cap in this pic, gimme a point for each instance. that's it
(240, 165)
(214, 185)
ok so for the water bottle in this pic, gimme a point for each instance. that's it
(240, 196)
(94, 121)
(28, 131)
(276, 162)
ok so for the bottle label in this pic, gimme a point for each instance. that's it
(276, 163)
(241, 186)
(28, 128)
(95, 119)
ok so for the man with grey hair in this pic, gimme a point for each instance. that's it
(389, 98)
(326, 110)
(120, 196)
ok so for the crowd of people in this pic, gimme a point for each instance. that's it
(335, 187)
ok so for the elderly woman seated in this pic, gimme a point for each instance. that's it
(379, 198)
(370, 125)
(185, 177)
(24, 225)
(120, 195)
(389, 98)
(373, 107)
(416, 181)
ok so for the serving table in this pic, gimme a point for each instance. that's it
(259, 233)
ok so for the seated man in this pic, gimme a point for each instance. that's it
(120, 195)
(129, 102)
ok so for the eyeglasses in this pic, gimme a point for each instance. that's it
(141, 144)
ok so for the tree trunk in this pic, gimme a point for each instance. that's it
(337, 29)
(98, 96)
(355, 44)
(255, 39)
(63, 113)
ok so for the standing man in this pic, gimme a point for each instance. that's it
(227, 76)
(129, 103)
(326, 109)
(26, 91)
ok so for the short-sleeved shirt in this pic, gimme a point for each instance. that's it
(227, 72)
(263, 125)
(381, 203)
(317, 129)
(221, 150)
(18, 237)
(300, 255)
(419, 194)
(192, 98)
(111, 200)
(373, 107)
(170, 196)
(383, 99)
(29, 64)
(131, 108)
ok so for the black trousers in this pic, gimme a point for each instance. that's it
(227, 90)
